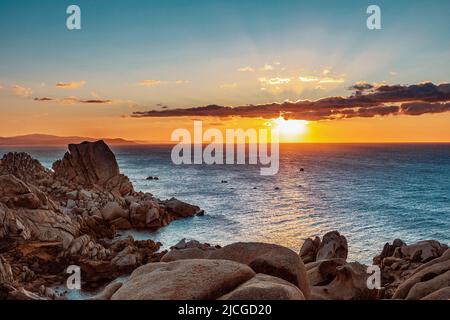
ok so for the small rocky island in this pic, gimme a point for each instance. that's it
(51, 219)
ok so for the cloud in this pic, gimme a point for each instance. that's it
(308, 79)
(267, 67)
(70, 85)
(181, 81)
(419, 108)
(322, 80)
(22, 91)
(382, 100)
(43, 99)
(361, 86)
(150, 83)
(246, 69)
(274, 81)
(73, 100)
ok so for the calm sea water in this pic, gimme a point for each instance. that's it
(370, 193)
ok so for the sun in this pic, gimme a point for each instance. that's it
(290, 128)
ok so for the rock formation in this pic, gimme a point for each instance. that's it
(264, 258)
(331, 276)
(414, 271)
(49, 220)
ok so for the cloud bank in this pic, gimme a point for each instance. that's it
(367, 101)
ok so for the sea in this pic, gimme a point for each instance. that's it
(371, 193)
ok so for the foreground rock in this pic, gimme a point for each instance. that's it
(331, 276)
(414, 271)
(201, 279)
(263, 258)
(184, 280)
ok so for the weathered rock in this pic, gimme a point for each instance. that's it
(388, 251)
(264, 258)
(25, 168)
(6, 275)
(350, 283)
(441, 294)
(309, 250)
(181, 209)
(323, 272)
(425, 281)
(28, 214)
(333, 246)
(92, 164)
(265, 287)
(108, 291)
(183, 244)
(112, 210)
(423, 251)
(424, 288)
(16, 193)
(184, 280)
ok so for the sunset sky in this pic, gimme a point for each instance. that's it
(135, 56)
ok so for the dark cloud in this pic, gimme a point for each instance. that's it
(361, 86)
(419, 108)
(73, 100)
(44, 99)
(379, 101)
(95, 101)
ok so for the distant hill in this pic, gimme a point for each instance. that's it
(49, 140)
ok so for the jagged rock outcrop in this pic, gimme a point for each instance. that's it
(402, 265)
(332, 246)
(92, 164)
(427, 279)
(50, 220)
(25, 168)
(28, 214)
(331, 276)
(349, 283)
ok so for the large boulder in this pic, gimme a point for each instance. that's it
(349, 283)
(265, 287)
(184, 280)
(309, 249)
(323, 272)
(177, 208)
(423, 251)
(333, 246)
(92, 164)
(441, 294)
(264, 258)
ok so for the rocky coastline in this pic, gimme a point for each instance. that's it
(52, 219)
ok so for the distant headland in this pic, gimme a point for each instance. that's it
(51, 140)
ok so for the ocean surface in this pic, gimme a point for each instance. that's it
(371, 193)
